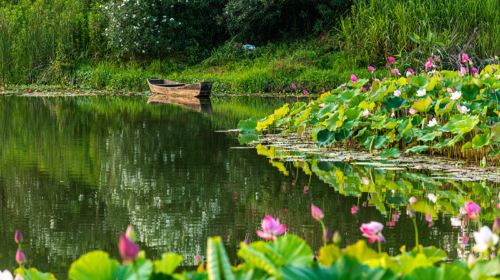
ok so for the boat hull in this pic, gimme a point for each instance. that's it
(166, 87)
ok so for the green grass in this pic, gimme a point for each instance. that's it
(376, 29)
(312, 65)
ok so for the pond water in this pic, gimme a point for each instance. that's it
(75, 171)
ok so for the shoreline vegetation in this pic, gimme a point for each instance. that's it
(111, 45)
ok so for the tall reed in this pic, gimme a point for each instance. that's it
(378, 28)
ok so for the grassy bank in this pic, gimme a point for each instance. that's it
(275, 68)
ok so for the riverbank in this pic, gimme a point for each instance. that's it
(286, 68)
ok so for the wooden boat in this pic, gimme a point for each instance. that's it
(193, 103)
(166, 87)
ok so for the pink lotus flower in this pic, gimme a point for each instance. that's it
(472, 209)
(371, 69)
(128, 249)
(412, 111)
(354, 209)
(428, 65)
(474, 70)
(462, 71)
(316, 213)
(409, 72)
(18, 237)
(271, 228)
(294, 85)
(395, 217)
(354, 78)
(391, 59)
(438, 59)
(395, 71)
(464, 239)
(20, 257)
(465, 57)
(373, 231)
(305, 92)
(428, 218)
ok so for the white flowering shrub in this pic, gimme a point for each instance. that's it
(159, 27)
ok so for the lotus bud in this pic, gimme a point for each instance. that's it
(18, 237)
(128, 249)
(354, 209)
(496, 226)
(20, 257)
(317, 213)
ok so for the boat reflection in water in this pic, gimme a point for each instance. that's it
(198, 104)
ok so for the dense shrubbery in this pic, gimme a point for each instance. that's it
(262, 20)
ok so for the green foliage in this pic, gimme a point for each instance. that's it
(218, 265)
(288, 257)
(250, 20)
(41, 38)
(364, 112)
(168, 263)
(377, 28)
(95, 265)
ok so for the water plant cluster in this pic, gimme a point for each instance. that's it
(281, 255)
(451, 113)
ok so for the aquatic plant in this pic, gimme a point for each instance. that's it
(271, 228)
(433, 112)
(290, 257)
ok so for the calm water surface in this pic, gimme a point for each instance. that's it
(74, 172)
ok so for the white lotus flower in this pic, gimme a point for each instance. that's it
(432, 197)
(485, 239)
(463, 109)
(456, 222)
(397, 93)
(18, 277)
(6, 275)
(366, 113)
(365, 180)
(433, 122)
(421, 92)
(456, 95)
